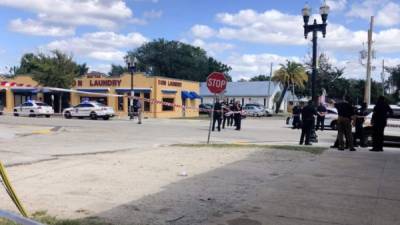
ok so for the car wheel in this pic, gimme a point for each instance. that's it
(67, 115)
(32, 114)
(47, 116)
(93, 116)
(334, 125)
(106, 117)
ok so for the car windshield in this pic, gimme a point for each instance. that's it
(41, 104)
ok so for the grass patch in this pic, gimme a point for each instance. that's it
(309, 149)
(42, 217)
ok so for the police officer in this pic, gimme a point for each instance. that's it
(296, 111)
(321, 111)
(360, 117)
(307, 116)
(237, 109)
(346, 115)
(379, 121)
(225, 116)
(217, 115)
(231, 119)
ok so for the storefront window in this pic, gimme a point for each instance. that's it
(146, 103)
(21, 98)
(167, 107)
(3, 98)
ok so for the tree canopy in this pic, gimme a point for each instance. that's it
(290, 74)
(260, 77)
(117, 70)
(176, 60)
(54, 70)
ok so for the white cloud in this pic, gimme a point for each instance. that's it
(365, 9)
(33, 27)
(106, 46)
(153, 14)
(389, 15)
(103, 68)
(202, 31)
(103, 14)
(213, 48)
(249, 65)
(337, 5)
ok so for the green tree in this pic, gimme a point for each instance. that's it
(82, 69)
(260, 77)
(394, 81)
(26, 64)
(176, 60)
(117, 70)
(290, 74)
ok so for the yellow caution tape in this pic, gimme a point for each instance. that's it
(10, 190)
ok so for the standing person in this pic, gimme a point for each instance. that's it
(321, 111)
(360, 118)
(346, 114)
(296, 111)
(217, 113)
(232, 115)
(237, 110)
(307, 116)
(379, 121)
(137, 110)
(225, 116)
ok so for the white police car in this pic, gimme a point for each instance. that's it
(33, 108)
(90, 109)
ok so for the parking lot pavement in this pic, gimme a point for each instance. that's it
(47, 138)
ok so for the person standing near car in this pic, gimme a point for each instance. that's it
(225, 116)
(237, 110)
(346, 114)
(296, 112)
(307, 115)
(360, 118)
(137, 110)
(321, 111)
(217, 115)
(379, 121)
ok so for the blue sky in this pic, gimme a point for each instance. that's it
(247, 35)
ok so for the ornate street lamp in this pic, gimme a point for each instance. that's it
(314, 28)
(131, 62)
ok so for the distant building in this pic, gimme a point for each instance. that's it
(261, 92)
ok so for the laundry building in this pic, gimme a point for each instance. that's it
(112, 91)
(260, 92)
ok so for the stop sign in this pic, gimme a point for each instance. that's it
(216, 82)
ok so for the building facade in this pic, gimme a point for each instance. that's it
(261, 92)
(152, 90)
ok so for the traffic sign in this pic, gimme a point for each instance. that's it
(216, 82)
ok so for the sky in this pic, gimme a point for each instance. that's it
(247, 35)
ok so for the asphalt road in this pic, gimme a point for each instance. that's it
(25, 140)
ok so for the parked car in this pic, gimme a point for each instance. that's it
(392, 131)
(268, 112)
(254, 111)
(330, 119)
(90, 109)
(205, 108)
(33, 108)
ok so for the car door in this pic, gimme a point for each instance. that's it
(86, 109)
(26, 107)
(75, 110)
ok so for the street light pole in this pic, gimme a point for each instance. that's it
(314, 28)
(131, 61)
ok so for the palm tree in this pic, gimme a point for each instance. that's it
(290, 74)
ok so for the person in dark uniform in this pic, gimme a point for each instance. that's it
(307, 116)
(232, 115)
(296, 111)
(217, 115)
(346, 113)
(321, 111)
(225, 110)
(379, 121)
(360, 117)
(237, 110)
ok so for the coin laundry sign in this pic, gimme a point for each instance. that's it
(105, 83)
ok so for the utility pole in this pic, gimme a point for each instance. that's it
(269, 86)
(367, 93)
(383, 77)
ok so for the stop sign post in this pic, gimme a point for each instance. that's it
(216, 84)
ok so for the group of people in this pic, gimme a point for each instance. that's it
(229, 114)
(348, 116)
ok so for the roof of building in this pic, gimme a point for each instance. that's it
(245, 89)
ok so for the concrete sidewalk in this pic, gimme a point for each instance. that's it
(356, 188)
